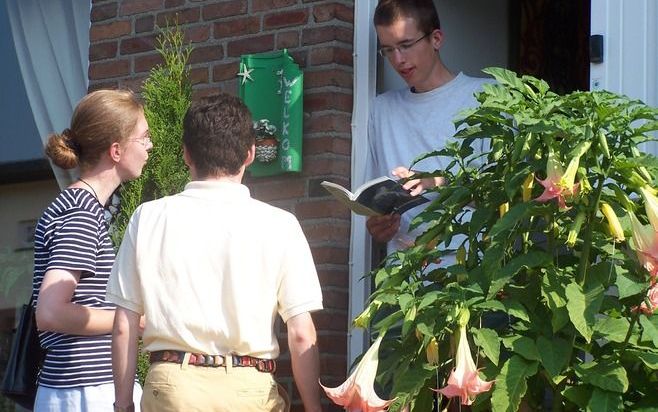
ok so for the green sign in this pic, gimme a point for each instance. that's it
(271, 85)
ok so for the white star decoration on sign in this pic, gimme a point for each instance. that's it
(245, 73)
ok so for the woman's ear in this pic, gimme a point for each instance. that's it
(115, 151)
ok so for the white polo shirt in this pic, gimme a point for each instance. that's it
(210, 268)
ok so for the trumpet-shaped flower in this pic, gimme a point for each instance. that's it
(650, 205)
(645, 243)
(613, 222)
(464, 380)
(432, 352)
(357, 392)
(559, 184)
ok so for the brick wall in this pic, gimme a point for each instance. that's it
(318, 34)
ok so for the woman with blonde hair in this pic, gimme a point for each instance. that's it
(108, 140)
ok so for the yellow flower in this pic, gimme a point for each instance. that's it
(650, 205)
(528, 183)
(502, 209)
(461, 255)
(613, 222)
(432, 352)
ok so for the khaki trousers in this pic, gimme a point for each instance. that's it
(171, 387)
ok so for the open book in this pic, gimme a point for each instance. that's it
(379, 196)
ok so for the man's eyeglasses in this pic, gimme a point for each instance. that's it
(144, 139)
(403, 48)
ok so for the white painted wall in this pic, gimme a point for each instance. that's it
(630, 41)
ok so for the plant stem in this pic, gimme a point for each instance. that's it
(624, 345)
(584, 263)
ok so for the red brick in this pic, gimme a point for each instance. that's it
(328, 123)
(138, 44)
(100, 51)
(265, 5)
(325, 34)
(199, 75)
(130, 7)
(199, 92)
(147, 62)
(326, 12)
(314, 102)
(104, 12)
(181, 17)
(277, 190)
(134, 83)
(287, 40)
(110, 30)
(224, 9)
(318, 209)
(318, 166)
(106, 70)
(111, 85)
(206, 54)
(326, 320)
(331, 77)
(225, 71)
(333, 277)
(326, 55)
(334, 365)
(197, 34)
(250, 45)
(335, 299)
(236, 27)
(327, 145)
(170, 4)
(285, 19)
(327, 232)
(332, 343)
(144, 24)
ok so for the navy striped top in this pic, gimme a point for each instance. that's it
(72, 234)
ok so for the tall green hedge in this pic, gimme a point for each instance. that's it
(167, 94)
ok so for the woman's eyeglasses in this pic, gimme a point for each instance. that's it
(144, 139)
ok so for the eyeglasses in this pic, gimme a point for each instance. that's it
(144, 139)
(403, 48)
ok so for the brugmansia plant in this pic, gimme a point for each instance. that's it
(545, 290)
(167, 94)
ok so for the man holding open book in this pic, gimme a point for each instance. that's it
(415, 120)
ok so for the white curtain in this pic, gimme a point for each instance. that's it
(52, 44)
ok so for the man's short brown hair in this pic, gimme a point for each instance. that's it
(423, 11)
(217, 133)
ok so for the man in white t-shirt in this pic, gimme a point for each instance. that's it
(210, 268)
(412, 121)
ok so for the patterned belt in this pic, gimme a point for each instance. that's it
(214, 361)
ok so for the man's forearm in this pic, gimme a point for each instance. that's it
(124, 355)
(305, 360)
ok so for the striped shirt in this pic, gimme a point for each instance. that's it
(72, 235)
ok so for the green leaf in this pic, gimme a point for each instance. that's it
(489, 341)
(628, 285)
(532, 259)
(405, 300)
(580, 395)
(607, 376)
(522, 345)
(511, 385)
(554, 354)
(605, 401)
(582, 308)
(612, 329)
(516, 309)
(650, 329)
(510, 219)
(650, 359)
